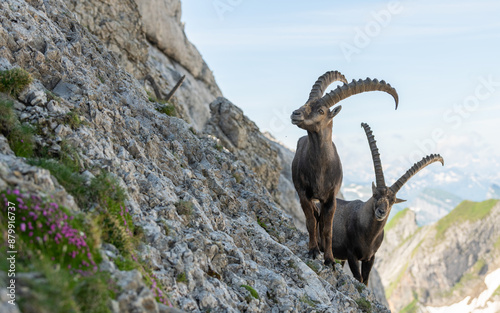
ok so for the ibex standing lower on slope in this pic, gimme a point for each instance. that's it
(316, 167)
(358, 226)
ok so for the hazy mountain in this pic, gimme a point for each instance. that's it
(450, 266)
(431, 193)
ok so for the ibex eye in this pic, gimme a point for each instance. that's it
(320, 111)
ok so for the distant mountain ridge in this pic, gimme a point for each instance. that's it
(431, 193)
(449, 266)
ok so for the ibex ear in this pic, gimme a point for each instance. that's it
(374, 188)
(335, 111)
(399, 200)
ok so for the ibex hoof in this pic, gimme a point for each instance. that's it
(313, 253)
(329, 261)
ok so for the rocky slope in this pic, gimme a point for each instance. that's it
(450, 265)
(212, 237)
(148, 40)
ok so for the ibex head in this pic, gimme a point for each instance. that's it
(385, 197)
(316, 113)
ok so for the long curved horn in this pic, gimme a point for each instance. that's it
(355, 87)
(415, 169)
(377, 164)
(323, 82)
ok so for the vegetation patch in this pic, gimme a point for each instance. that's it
(184, 208)
(411, 308)
(364, 305)
(20, 136)
(53, 247)
(71, 180)
(313, 266)
(395, 220)
(73, 120)
(465, 211)
(13, 81)
(252, 291)
(168, 109)
(307, 300)
(181, 278)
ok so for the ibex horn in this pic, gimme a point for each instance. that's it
(415, 169)
(377, 164)
(355, 87)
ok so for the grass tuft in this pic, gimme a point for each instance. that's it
(364, 305)
(13, 81)
(20, 136)
(252, 291)
(168, 109)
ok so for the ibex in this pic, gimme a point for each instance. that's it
(316, 167)
(358, 226)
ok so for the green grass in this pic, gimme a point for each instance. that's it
(72, 119)
(20, 136)
(312, 266)
(181, 278)
(168, 109)
(392, 285)
(307, 300)
(465, 211)
(412, 307)
(252, 291)
(14, 81)
(364, 305)
(395, 220)
(71, 180)
(496, 292)
(496, 245)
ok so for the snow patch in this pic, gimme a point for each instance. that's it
(478, 305)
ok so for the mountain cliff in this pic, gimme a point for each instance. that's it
(122, 203)
(450, 266)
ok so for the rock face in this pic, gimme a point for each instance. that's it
(147, 39)
(241, 136)
(233, 235)
(440, 264)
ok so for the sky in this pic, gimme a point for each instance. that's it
(442, 58)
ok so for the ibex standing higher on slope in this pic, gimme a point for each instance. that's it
(316, 167)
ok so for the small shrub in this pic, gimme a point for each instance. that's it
(184, 208)
(218, 147)
(71, 180)
(107, 192)
(14, 81)
(364, 305)
(52, 96)
(168, 109)
(237, 177)
(20, 137)
(252, 291)
(307, 300)
(181, 278)
(93, 292)
(72, 119)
